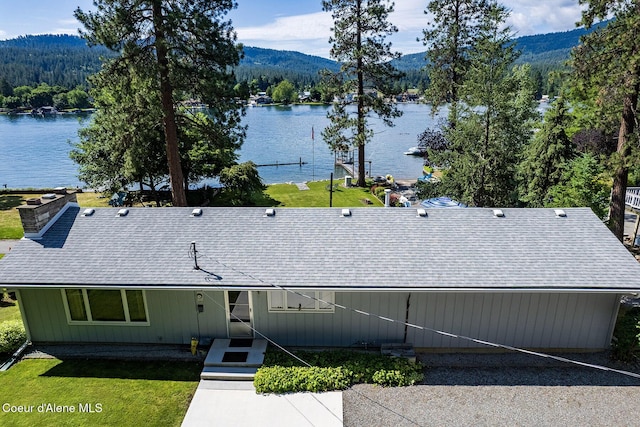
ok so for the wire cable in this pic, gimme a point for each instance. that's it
(426, 328)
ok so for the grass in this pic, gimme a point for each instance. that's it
(10, 226)
(288, 195)
(9, 310)
(120, 393)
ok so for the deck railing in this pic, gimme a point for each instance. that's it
(632, 198)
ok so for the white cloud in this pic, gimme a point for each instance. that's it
(309, 33)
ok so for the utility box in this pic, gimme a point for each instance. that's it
(399, 350)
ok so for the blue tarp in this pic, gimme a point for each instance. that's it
(442, 202)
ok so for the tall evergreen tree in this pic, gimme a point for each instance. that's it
(497, 112)
(583, 183)
(190, 51)
(358, 43)
(546, 157)
(609, 60)
(449, 38)
(124, 144)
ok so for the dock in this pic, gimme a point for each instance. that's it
(349, 167)
(276, 164)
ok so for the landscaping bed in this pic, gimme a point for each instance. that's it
(332, 370)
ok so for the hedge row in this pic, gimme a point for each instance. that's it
(12, 336)
(333, 370)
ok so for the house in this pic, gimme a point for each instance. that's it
(533, 278)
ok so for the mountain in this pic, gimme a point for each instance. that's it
(268, 65)
(542, 48)
(63, 60)
(66, 60)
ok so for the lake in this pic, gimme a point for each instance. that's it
(34, 151)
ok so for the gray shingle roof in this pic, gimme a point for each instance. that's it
(374, 248)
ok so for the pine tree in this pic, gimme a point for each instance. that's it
(187, 48)
(358, 43)
(453, 32)
(497, 112)
(609, 60)
(545, 159)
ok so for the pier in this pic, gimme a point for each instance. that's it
(276, 164)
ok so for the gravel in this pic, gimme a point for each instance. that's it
(500, 390)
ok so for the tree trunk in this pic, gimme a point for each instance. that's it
(621, 173)
(169, 119)
(361, 129)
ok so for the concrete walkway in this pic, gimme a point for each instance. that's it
(236, 404)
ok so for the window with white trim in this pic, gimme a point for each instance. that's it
(105, 306)
(301, 301)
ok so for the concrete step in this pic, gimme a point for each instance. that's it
(228, 373)
(221, 347)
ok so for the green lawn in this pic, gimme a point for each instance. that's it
(9, 310)
(119, 393)
(10, 226)
(289, 195)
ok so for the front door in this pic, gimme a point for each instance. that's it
(239, 314)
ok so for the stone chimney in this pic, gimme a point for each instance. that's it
(39, 213)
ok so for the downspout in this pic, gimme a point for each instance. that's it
(406, 319)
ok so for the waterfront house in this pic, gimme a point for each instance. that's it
(534, 278)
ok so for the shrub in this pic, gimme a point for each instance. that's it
(279, 379)
(626, 335)
(12, 336)
(333, 370)
(379, 193)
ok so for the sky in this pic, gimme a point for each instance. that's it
(298, 25)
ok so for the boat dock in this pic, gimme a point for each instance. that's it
(276, 164)
(349, 167)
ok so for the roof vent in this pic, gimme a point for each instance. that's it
(123, 212)
(498, 213)
(560, 213)
(49, 196)
(270, 212)
(196, 212)
(88, 212)
(346, 212)
(422, 212)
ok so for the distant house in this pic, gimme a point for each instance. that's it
(534, 278)
(44, 111)
(407, 97)
(261, 99)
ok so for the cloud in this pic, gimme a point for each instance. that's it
(309, 33)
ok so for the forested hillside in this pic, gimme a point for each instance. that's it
(293, 66)
(58, 60)
(64, 60)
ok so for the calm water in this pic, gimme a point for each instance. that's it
(34, 152)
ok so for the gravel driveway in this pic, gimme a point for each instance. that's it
(501, 390)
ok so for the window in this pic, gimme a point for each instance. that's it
(301, 301)
(105, 306)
